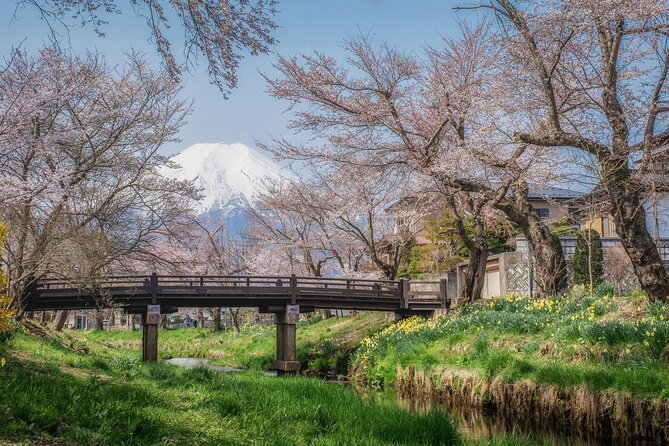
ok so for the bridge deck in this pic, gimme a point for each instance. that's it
(266, 292)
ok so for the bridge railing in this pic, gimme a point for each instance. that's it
(98, 283)
(223, 281)
(406, 293)
(428, 292)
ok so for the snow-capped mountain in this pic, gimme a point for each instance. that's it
(226, 173)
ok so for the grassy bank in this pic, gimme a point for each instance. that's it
(323, 345)
(598, 341)
(593, 362)
(73, 391)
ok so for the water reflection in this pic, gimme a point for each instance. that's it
(482, 423)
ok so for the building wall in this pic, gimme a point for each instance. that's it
(556, 210)
(657, 215)
(617, 267)
(657, 219)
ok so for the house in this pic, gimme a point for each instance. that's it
(593, 208)
(86, 319)
(552, 204)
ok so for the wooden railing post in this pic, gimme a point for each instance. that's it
(443, 286)
(29, 292)
(154, 288)
(404, 293)
(293, 289)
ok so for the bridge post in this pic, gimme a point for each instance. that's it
(286, 340)
(405, 287)
(150, 321)
(443, 294)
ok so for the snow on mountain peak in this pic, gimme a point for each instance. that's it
(226, 173)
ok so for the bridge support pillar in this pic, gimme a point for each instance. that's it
(150, 321)
(286, 340)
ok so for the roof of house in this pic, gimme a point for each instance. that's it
(538, 193)
(554, 193)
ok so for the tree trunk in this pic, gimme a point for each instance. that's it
(217, 318)
(99, 320)
(477, 246)
(61, 319)
(234, 314)
(200, 318)
(474, 279)
(548, 263)
(630, 218)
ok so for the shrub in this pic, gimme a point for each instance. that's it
(561, 281)
(605, 289)
(638, 297)
(588, 260)
(659, 310)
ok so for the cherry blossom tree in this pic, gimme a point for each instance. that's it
(289, 238)
(591, 76)
(365, 206)
(196, 246)
(219, 30)
(334, 223)
(436, 115)
(79, 163)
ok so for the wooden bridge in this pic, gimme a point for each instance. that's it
(285, 296)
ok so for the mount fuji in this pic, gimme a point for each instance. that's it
(228, 176)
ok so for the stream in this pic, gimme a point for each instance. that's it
(192, 363)
(474, 422)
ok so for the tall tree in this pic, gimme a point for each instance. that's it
(78, 158)
(593, 79)
(288, 232)
(436, 115)
(588, 259)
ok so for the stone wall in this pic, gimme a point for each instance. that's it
(617, 267)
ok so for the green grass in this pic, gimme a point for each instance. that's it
(323, 346)
(50, 394)
(597, 341)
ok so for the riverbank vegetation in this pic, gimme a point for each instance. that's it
(594, 340)
(69, 390)
(592, 362)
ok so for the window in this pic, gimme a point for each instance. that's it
(80, 323)
(542, 213)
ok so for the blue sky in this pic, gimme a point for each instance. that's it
(250, 114)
